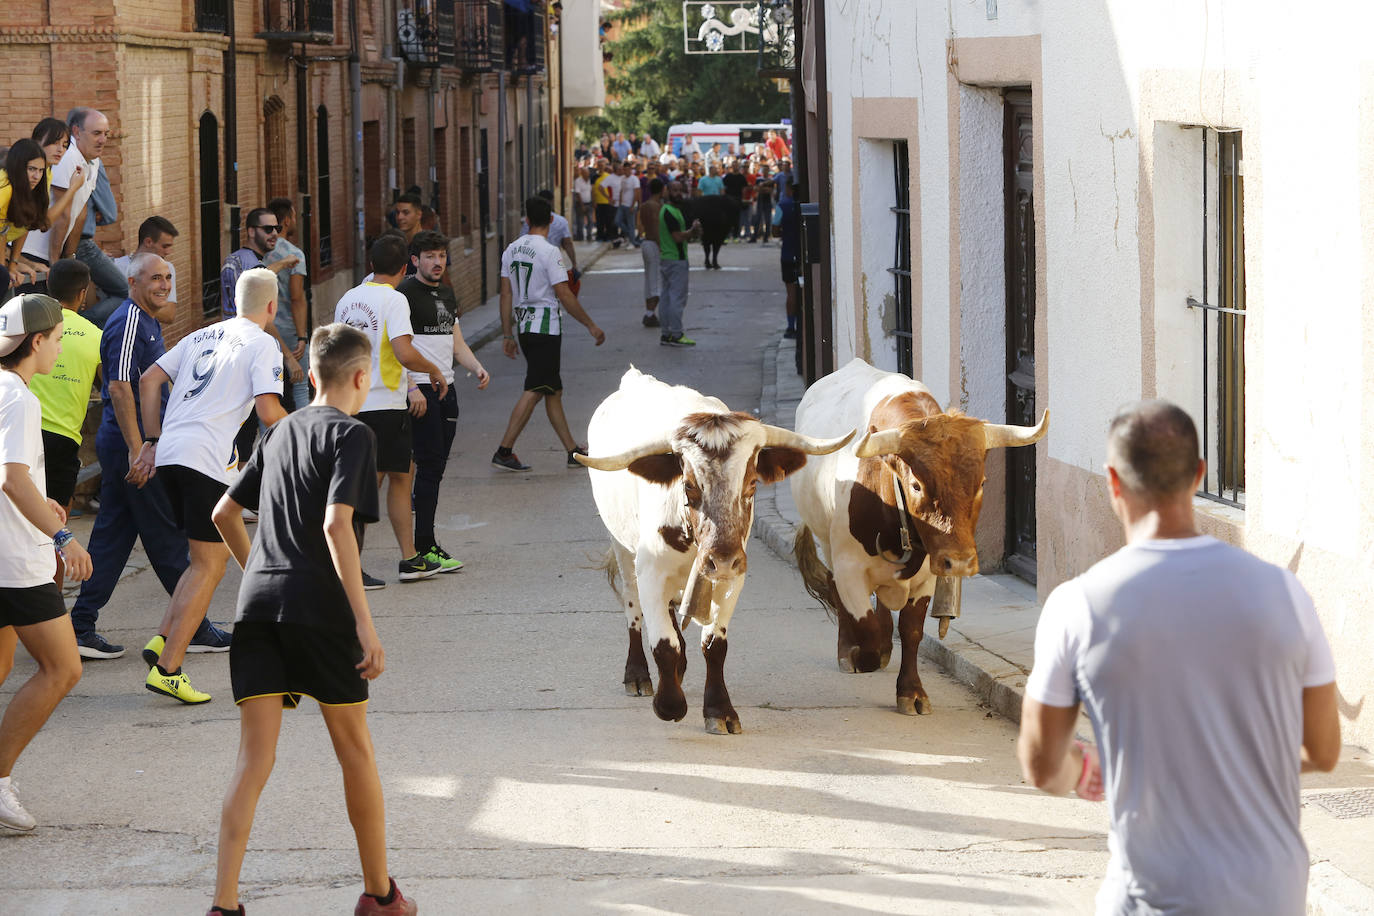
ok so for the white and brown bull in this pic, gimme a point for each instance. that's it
(893, 514)
(674, 475)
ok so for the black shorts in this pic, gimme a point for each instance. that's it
(543, 362)
(290, 660)
(790, 269)
(392, 428)
(22, 607)
(62, 463)
(193, 496)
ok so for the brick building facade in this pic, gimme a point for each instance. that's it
(452, 95)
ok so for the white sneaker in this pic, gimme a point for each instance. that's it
(12, 814)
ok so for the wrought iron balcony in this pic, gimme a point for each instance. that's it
(309, 21)
(425, 32)
(479, 47)
(525, 36)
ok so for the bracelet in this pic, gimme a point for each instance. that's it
(151, 440)
(62, 538)
(508, 337)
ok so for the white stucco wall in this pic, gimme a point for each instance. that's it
(1119, 224)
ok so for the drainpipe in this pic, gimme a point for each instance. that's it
(393, 98)
(303, 122)
(501, 160)
(824, 304)
(433, 170)
(231, 132)
(355, 87)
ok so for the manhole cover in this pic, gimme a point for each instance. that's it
(1356, 803)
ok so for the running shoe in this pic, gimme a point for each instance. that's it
(12, 814)
(677, 340)
(417, 567)
(210, 638)
(239, 912)
(93, 645)
(372, 583)
(650, 321)
(508, 463)
(177, 686)
(447, 563)
(399, 905)
(573, 462)
(153, 650)
(789, 334)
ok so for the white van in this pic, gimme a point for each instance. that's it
(743, 137)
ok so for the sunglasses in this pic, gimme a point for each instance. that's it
(267, 228)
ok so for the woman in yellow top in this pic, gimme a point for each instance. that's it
(23, 206)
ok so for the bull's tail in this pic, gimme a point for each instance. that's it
(819, 582)
(611, 567)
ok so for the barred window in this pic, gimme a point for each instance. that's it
(901, 256)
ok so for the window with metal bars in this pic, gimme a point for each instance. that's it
(325, 203)
(1223, 318)
(901, 256)
(212, 15)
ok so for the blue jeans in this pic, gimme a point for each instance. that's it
(624, 221)
(127, 513)
(105, 275)
(673, 297)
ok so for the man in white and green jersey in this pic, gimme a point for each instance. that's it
(534, 283)
(673, 236)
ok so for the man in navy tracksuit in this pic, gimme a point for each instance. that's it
(129, 344)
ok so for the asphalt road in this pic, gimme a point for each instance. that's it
(519, 777)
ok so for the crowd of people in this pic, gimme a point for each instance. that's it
(251, 419)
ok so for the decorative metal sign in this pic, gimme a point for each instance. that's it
(778, 39)
(720, 26)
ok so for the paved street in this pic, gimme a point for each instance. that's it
(519, 777)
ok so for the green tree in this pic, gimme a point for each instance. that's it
(656, 84)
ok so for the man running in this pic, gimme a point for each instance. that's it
(218, 374)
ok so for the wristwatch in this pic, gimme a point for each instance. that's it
(150, 440)
(62, 538)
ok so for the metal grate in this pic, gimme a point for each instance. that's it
(901, 257)
(212, 15)
(1343, 805)
(478, 31)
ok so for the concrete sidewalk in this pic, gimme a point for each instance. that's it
(990, 648)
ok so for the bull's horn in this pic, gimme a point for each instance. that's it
(879, 442)
(624, 459)
(776, 436)
(1000, 435)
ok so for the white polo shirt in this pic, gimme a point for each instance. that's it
(37, 243)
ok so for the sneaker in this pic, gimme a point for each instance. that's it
(651, 321)
(508, 463)
(93, 645)
(417, 567)
(679, 340)
(177, 686)
(399, 905)
(789, 334)
(447, 563)
(372, 583)
(573, 462)
(153, 651)
(210, 638)
(214, 912)
(12, 814)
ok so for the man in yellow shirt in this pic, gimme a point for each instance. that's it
(604, 194)
(65, 392)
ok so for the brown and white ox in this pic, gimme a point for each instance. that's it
(674, 475)
(893, 514)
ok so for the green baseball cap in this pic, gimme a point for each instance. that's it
(25, 315)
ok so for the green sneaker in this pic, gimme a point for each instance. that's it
(681, 340)
(447, 564)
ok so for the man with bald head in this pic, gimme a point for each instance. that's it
(217, 375)
(129, 345)
(1209, 684)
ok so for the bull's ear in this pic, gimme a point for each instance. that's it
(777, 461)
(662, 469)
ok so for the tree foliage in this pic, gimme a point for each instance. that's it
(654, 83)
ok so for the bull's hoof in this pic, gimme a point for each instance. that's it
(846, 665)
(723, 725)
(914, 706)
(884, 659)
(639, 687)
(670, 709)
(857, 661)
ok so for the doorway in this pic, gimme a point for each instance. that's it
(1019, 163)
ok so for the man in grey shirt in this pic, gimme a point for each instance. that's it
(1209, 683)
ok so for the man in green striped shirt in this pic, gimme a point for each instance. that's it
(534, 283)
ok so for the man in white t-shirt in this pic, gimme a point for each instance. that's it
(383, 314)
(218, 375)
(1209, 684)
(31, 608)
(648, 148)
(534, 275)
(627, 198)
(89, 131)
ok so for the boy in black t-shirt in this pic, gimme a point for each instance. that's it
(303, 626)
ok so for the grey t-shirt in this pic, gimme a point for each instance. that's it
(1190, 657)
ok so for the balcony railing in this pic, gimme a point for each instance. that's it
(478, 47)
(309, 21)
(425, 32)
(524, 36)
(212, 15)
